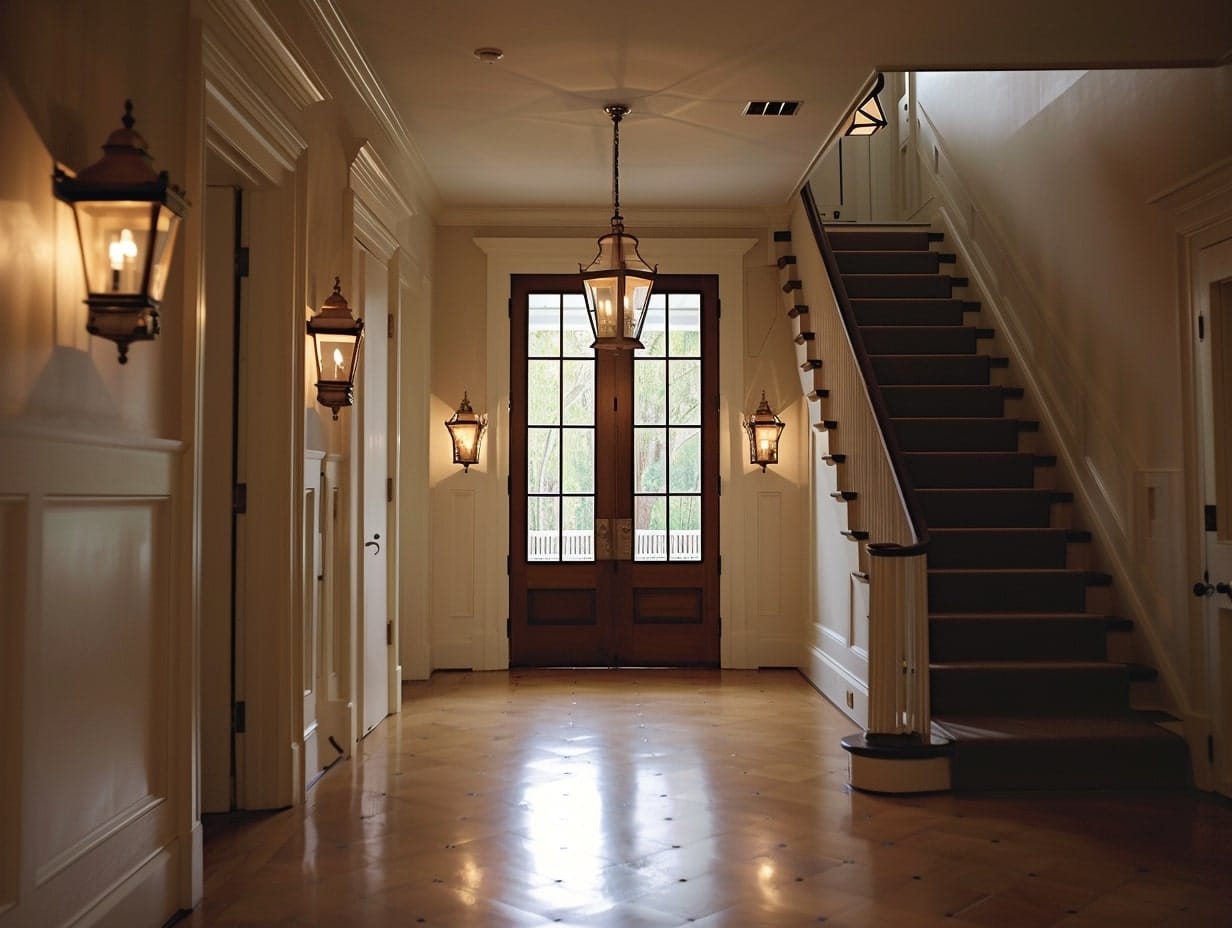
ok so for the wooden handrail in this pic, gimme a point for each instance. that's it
(906, 487)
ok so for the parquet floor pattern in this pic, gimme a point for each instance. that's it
(709, 798)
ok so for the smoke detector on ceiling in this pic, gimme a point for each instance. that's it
(489, 54)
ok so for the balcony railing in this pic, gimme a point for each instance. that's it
(580, 546)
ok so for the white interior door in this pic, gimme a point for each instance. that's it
(373, 449)
(1214, 303)
(311, 628)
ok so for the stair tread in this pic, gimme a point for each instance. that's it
(1023, 616)
(1052, 728)
(1002, 667)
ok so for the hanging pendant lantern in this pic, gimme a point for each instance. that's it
(465, 433)
(127, 217)
(764, 429)
(337, 337)
(618, 282)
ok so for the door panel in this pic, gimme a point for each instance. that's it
(373, 450)
(614, 478)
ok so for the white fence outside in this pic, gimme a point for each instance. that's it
(580, 546)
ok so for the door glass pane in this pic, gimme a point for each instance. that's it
(578, 460)
(667, 462)
(560, 434)
(543, 392)
(649, 460)
(543, 326)
(578, 535)
(543, 528)
(577, 334)
(685, 463)
(686, 528)
(684, 392)
(650, 528)
(649, 392)
(654, 328)
(578, 392)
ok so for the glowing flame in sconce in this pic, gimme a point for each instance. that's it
(122, 248)
(337, 361)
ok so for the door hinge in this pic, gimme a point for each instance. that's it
(389, 325)
(239, 721)
(509, 484)
(241, 261)
(389, 489)
(389, 633)
(508, 564)
(1201, 327)
(239, 498)
(508, 628)
(1210, 748)
(718, 309)
(720, 565)
(510, 307)
(1212, 522)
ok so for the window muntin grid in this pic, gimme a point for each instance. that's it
(560, 418)
(667, 432)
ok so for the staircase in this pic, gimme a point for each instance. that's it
(1021, 679)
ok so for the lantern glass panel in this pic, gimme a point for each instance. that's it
(115, 244)
(337, 355)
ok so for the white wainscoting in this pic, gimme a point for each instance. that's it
(91, 799)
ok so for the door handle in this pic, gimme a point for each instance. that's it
(374, 543)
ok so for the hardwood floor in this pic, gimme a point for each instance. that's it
(711, 798)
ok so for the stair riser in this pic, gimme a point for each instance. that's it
(971, 402)
(1005, 550)
(1001, 639)
(1043, 691)
(987, 509)
(925, 370)
(913, 340)
(913, 286)
(975, 470)
(960, 435)
(1069, 765)
(998, 592)
(908, 312)
(878, 241)
(894, 262)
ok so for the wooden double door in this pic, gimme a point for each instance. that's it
(614, 481)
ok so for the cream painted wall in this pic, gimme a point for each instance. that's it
(99, 465)
(1049, 183)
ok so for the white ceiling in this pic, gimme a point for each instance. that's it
(529, 131)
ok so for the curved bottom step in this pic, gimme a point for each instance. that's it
(1128, 751)
(897, 763)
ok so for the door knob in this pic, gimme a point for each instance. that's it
(1203, 588)
(374, 543)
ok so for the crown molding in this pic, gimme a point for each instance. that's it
(636, 221)
(238, 113)
(350, 59)
(249, 25)
(372, 183)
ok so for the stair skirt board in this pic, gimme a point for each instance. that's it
(1023, 694)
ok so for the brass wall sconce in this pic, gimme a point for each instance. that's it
(764, 429)
(337, 337)
(466, 434)
(127, 217)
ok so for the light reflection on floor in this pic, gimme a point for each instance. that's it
(668, 798)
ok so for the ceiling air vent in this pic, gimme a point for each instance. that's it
(771, 107)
